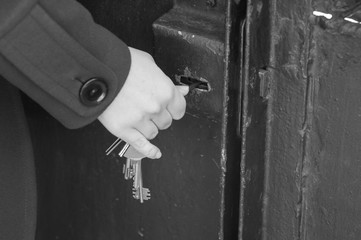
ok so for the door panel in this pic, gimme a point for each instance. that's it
(302, 173)
(195, 187)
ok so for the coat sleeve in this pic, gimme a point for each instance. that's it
(54, 52)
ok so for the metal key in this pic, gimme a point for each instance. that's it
(132, 156)
(139, 192)
(114, 145)
(132, 169)
(128, 171)
(144, 196)
(135, 158)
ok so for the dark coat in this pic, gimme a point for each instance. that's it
(54, 52)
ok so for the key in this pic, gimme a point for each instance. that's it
(129, 167)
(130, 152)
(113, 146)
(145, 194)
(132, 169)
(137, 179)
(128, 171)
(139, 192)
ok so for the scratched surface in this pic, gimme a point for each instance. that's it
(332, 168)
(311, 155)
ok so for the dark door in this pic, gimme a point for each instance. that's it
(269, 150)
(301, 162)
(195, 187)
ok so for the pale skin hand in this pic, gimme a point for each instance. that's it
(148, 102)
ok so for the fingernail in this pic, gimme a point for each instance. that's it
(158, 154)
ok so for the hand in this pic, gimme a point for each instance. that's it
(148, 102)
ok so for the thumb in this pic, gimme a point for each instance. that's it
(183, 89)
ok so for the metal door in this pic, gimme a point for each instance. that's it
(196, 185)
(301, 161)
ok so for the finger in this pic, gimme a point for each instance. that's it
(148, 129)
(184, 90)
(141, 144)
(177, 106)
(162, 120)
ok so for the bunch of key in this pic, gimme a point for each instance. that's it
(132, 169)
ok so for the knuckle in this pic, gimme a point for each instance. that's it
(168, 94)
(137, 116)
(155, 108)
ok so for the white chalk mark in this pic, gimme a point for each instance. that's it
(322, 14)
(351, 20)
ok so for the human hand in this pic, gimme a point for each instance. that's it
(148, 102)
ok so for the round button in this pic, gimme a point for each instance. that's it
(93, 92)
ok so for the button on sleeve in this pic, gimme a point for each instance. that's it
(93, 92)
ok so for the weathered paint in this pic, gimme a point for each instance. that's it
(254, 119)
(301, 153)
(332, 168)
